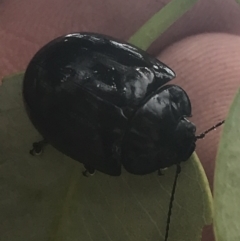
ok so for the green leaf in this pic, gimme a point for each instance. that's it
(15, 75)
(160, 22)
(227, 178)
(46, 198)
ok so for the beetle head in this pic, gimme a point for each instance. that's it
(184, 139)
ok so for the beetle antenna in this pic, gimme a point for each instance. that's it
(201, 136)
(178, 170)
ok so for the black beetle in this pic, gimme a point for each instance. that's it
(104, 102)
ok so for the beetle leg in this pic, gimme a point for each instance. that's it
(88, 171)
(160, 173)
(38, 148)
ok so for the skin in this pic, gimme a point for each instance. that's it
(206, 65)
(208, 71)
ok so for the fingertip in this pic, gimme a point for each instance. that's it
(207, 68)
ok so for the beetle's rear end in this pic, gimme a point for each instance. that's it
(72, 120)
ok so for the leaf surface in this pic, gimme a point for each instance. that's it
(46, 198)
(227, 178)
(160, 22)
